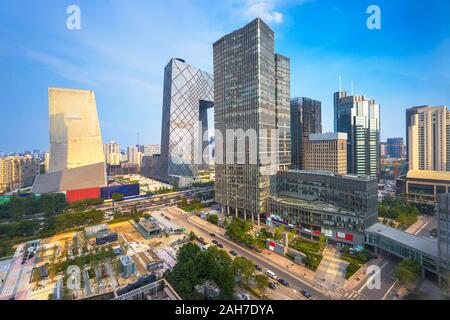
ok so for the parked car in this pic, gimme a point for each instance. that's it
(220, 245)
(233, 253)
(212, 235)
(283, 282)
(306, 294)
(215, 242)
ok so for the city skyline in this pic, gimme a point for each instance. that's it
(129, 77)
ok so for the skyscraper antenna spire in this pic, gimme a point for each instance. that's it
(340, 83)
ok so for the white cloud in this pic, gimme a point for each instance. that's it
(264, 9)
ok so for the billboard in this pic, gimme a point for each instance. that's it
(127, 190)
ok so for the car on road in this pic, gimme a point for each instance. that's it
(258, 267)
(271, 274)
(215, 242)
(306, 294)
(212, 235)
(233, 253)
(272, 286)
(283, 282)
(220, 245)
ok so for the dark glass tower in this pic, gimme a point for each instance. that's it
(306, 119)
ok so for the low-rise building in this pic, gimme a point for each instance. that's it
(424, 186)
(312, 203)
(443, 214)
(127, 266)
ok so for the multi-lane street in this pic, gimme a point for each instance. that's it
(296, 282)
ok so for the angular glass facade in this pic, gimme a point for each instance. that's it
(306, 119)
(188, 93)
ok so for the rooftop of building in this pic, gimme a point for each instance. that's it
(331, 174)
(328, 136)
(148, 224)
(310, 202)
(126, 260)
(426, 245)
(429, 175)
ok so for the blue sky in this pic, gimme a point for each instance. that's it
(123, 46)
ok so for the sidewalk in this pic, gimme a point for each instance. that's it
(352, 282)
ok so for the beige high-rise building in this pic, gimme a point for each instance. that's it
(112, 153)
(75, 138)
(429, 139)
(326, 152)
(18, 172)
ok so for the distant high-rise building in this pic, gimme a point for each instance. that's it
(18, 172)
(326, 152)
(47, 161)
(360, 119)
(395, 148)
(112, 153)
(429, 138)
(383, 150)
(410, 112)
(134, 155)
(283, 113)
(75, 138)
(306, 119)
(188, 94)
(250, 84)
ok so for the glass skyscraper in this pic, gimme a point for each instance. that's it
(249, 82)
(306, 119)
(360, 119)
(188, 94)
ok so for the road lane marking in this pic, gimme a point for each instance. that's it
(392, 287)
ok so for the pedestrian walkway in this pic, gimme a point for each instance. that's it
(331, 271)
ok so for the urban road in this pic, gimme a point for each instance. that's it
(296, 283)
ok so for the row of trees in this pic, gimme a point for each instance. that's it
(19, 207)
(195, 266)
(398, 209)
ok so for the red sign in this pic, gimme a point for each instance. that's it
(344, 236)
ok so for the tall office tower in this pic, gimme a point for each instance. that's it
(443, 213)
(283, 112)
(188, 94)
(306, 119)
(360, 119)
(326, 152)
(409, 113)
(395, 148)
(75, 138)
(112, 153)
(429, 139)
(246, 73)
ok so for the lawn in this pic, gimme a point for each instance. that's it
(312, 250)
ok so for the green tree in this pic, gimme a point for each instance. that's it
(213, 218)
(245, 268)
(117, 197)
(261, 283)
(192, 235)
(408, 272)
